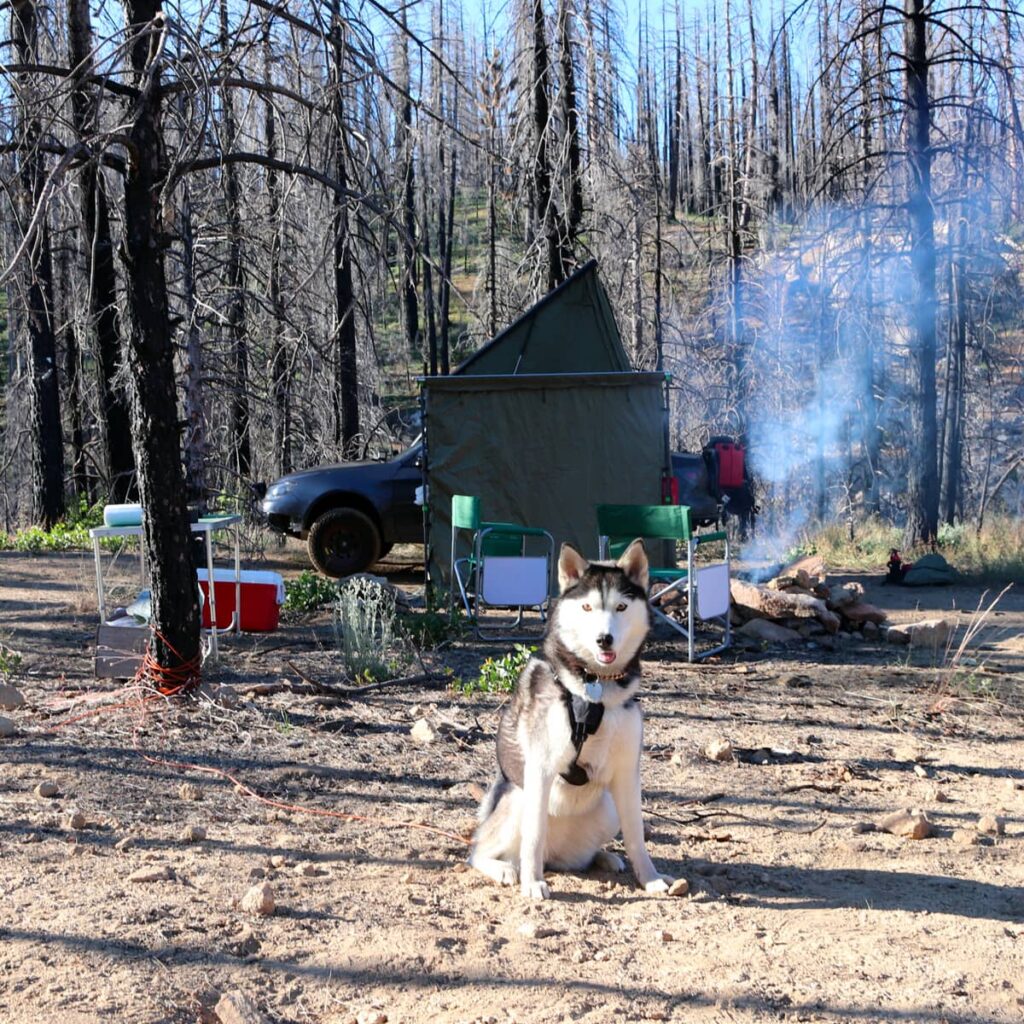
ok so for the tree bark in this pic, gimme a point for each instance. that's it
(103, 321)
(346, 389)
(241, 443)
(922, 478)
(43, 381)
(154, 408)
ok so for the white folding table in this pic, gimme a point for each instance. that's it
(208, 526)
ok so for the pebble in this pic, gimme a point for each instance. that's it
(372, 1017)
(193, 834)
(858, 828)
(161, 874)
(718, 750)
(966, 837)
(680, 887)
(259, 900)
(920, 771)
(307, 869)
(47, 789)
(236, 1007)
(991, 825)
(907, 823)
(662, 936)
(10, 697)
(938, 796)
(189, 791)
(423, 733)
(124, 844)
(532, 930)
(74, 820)
(7, 727)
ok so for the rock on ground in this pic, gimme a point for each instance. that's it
(933, 633)
(718, 750)
(259, 900)
(907, 823)
(236, 1007)
(762, 629)
(10, 697)
(991, 825)
(423, 732)
(7, 727)
(161, 874)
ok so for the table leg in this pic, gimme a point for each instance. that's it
(212, 592)
(101, 603)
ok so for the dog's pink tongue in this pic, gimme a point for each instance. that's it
(606, 657)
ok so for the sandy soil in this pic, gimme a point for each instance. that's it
(793, 913)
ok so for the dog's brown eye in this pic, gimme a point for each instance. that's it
(587, 608)
(621, 608)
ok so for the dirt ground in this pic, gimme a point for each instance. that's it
(794, 913)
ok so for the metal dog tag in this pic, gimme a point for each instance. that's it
(593, 692)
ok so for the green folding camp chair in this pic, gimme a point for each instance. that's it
(507, 566)
(706, 587)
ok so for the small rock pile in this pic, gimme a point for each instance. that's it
(800, 604)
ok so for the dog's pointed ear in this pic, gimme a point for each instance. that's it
(571, 567)
(635, 565)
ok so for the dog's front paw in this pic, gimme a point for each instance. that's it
(660, 883)
(535, 890)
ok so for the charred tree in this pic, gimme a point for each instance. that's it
(346, 367)
(241, 443)
(922, 475)
(43, 380)
(150, 350)
(103, 322)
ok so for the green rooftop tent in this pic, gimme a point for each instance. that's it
(543, 423)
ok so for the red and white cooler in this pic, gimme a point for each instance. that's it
(262, 594)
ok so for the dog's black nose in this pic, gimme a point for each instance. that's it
(604, 641)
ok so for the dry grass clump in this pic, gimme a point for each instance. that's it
(995, 554)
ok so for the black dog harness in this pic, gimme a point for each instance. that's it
(584, 720)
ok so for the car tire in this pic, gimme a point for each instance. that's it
(343, 541)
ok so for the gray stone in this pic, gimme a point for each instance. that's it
(10, 697)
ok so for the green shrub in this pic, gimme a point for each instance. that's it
(10, 662)
(309, 591)
(497, 675)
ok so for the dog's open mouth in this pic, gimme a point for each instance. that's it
(606, 657)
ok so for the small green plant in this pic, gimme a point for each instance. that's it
(309, 591)
(10, 662)
(428, 629)
(367, 631)
(497, 675)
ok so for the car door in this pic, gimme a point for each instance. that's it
(407, 516)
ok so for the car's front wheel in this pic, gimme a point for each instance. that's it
(343, 541)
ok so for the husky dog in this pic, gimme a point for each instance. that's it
(569, 741)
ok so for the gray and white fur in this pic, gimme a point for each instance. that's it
(556, 803)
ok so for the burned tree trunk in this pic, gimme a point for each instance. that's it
(280, 384)
(154, 409)
(922, 477)
(240, 441)
(346, 369)
(43, 384)
(99, 250)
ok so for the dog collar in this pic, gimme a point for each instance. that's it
(593, 677)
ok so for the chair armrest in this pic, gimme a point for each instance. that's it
(709, 538)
